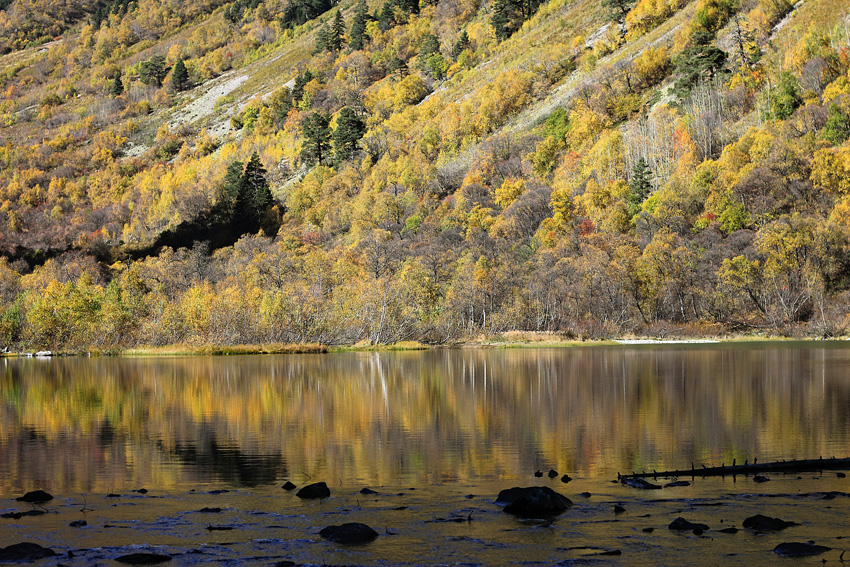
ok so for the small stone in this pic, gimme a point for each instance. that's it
(351, 533)
(566, 478)
(143, 559)
(585, 495)
(24, 551)
(367, 491)
(728, 530)
(141, 490)
(316, 490)
(288, 486)
(113, 495)
(762, 523)
(760, 478)
(210, 510)
(552, 473)
(648, 530)
(796, 549)
(841, 475)
(78, 523)
(538, 474)
(35, 497)
(681, 524)
(12, 515)
(533, 502)
(619, 509)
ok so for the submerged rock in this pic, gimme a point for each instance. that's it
(538, 474)
(288, 486)
(640, 483)
(143, 559)
(78, 523)
(349, 534)
(552, 473)
(796, 549)
(533, 502)
(762, 523)
(676, 483)
(24, 551)
(619, 509)
(760, 478)
(566, 478)
(35, 497)
(316, 490)
(209, 511)
(367, 491)
(681, 524)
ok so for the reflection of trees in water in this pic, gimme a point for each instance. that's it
(228, 464)
(429, 416)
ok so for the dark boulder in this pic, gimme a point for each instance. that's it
(533, 502)
(760, 478)
(796, 549)
(538, 474)
(209, 511)
(681, 524)
(552, 473)
(640, 483)
(143, 559)
(351, 533)
(762, 523)
(24, 552)
(316, 490)
(35, 497)
(367, 491)
(78, 524)
(288, 486)
(619, 509)
(566, 478)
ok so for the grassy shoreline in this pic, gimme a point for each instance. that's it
(509, 340)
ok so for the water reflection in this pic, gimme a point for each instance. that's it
(102, 425)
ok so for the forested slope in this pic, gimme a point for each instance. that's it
(260, 171)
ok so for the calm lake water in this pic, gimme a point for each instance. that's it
(446, 423)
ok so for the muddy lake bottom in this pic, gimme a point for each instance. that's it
(453, 523)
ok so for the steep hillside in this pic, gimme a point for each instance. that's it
(283, 171)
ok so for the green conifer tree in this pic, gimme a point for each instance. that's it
(336, 39)
(117, 86)
(357, 35)
(180, 76)
(349, 130)
(639, 186)
(317, 139)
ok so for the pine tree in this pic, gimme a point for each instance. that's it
(461, 44)
(336, 39)
(317, 139)
(357, 34)
(180, 76)
(504, 19)
(639, 186)
(300, 82)
(153, 71)
(618, 9)
(253, 196)
(349, 130)
(117, 87)
(323, 40)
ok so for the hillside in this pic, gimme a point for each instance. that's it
(284, 171)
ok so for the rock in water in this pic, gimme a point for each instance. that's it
(761, 523)
(760, 478)
(681, 524)
(367, 491)
(35, 497)
(143, 559)
(640, 483)
(796, 549)
(676, 483)
(316, 490)
(533, 502)
(552, 473)
(349, 534)
(288, 486)
(24, 551)
(566, 478)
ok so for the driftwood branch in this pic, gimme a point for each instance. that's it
(819, 464)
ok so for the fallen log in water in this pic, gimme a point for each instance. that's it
(747, 468)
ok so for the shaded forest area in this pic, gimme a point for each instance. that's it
(433, 171)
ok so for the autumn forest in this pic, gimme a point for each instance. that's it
(203, 172)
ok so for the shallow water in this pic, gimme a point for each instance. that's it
(437, 434)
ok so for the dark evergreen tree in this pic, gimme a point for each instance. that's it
(357, 35)
(233, 12)
(397, 65)
(386, 16)
(349, 130)
(639, 186)
(786, 98)
(253, 197)
(336, 38)
(618, 9)
(153, 71)
(702, 61)
(323, 40)
(461, 44)
(300, 81)
(298, 12)
(117, 86)
(317, 139)
(180, 76)
(507, 18)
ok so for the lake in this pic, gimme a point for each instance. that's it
(437, 433)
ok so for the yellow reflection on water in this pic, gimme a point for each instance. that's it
(102, 425)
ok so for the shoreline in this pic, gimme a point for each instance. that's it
(504, 341)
